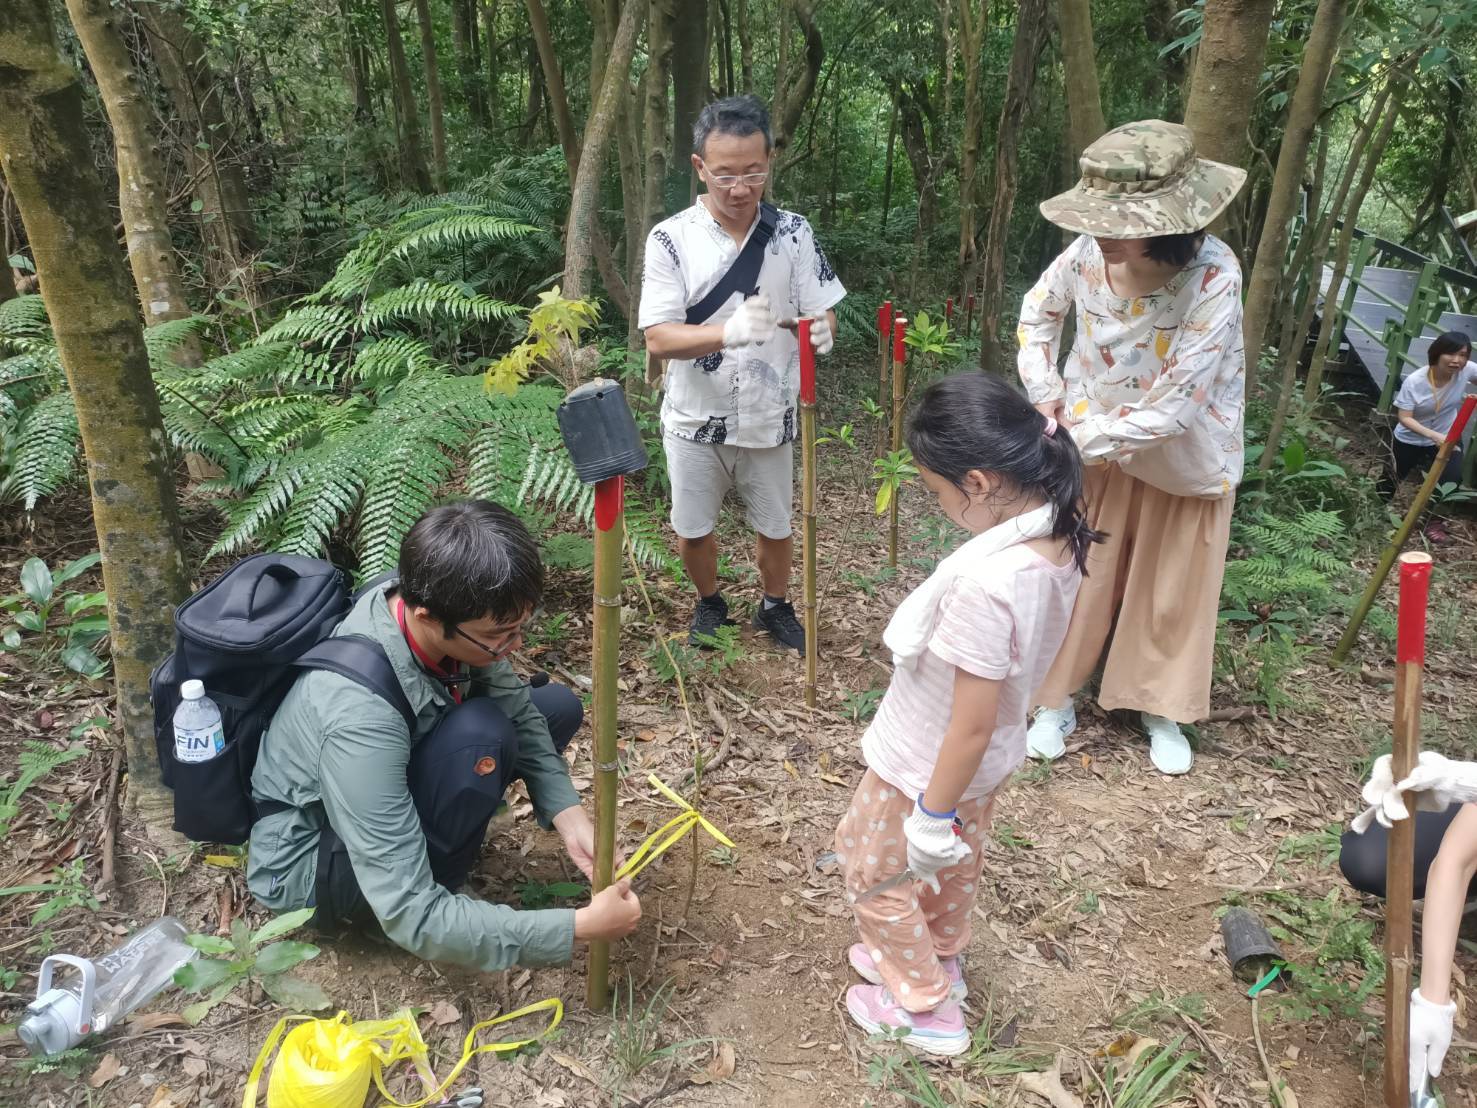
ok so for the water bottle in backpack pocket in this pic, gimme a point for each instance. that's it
(198, 735)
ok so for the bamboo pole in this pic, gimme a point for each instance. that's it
(884, 371)
(968, 315)
(899, 386)
(1410, 654)
(609, 536)
(807, 505)
(949, 312)
(1417, 506)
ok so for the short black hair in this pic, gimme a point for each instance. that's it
(1177, 250)
(1449, 343)
(469, 559)
(739, 116)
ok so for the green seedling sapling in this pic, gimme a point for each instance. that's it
(251, 956)
(37, 624)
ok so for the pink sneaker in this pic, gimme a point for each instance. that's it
(940, 1031)
(866, 969)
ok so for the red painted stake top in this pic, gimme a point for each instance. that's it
(971, 301)
(949, 308)
(1415, 582)
(610, 501)
(899, 331)
(884, 319)
(807, 364)
(1460, 424)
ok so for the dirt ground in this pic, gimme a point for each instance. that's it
(1097, 924)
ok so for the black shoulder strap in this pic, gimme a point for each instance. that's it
(362, 660)
(743, 275)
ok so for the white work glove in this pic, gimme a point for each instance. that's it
(1437, 783)
(1430, 1036)
(932, 846)
(821, 339)
(753, 322)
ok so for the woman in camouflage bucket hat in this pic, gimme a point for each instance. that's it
(1153, 393)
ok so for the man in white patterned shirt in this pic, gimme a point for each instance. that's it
(733, 359)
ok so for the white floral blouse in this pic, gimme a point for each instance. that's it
(1155, 383)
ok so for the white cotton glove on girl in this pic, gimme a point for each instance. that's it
(821, 339)
(1437, 783)
(1430, 1037)
(932, 846)
(753, 322)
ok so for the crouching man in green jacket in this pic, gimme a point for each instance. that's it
(372, 821)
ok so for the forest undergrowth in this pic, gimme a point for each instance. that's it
(1095, 961)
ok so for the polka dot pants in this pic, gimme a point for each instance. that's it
(909, 928)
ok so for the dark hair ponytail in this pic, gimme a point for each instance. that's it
(976, 421)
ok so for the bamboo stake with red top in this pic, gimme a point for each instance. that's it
(1407, 525)
(605, 675)
(1410, 656)
(899, 388)
(884, 372)
(807, 505)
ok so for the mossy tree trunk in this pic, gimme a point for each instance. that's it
(49, 165)
(433, 90)
(142, 196)
(1302, 118)
(1030, 33)
(414, 173)
(357, 63)
(464, 33)
(1079, 65)
(690, 73)
(487, 12)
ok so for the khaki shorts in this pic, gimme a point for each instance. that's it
(702, 473)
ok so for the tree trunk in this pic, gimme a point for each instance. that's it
(792, 100)
(1079, 66)
(1302, 117)
(228, 227)
(1233, 48)
(463, 30)
(488, 12)
(689, 74)
(659, 15)
(971, 32)
(912, 105)
(358, 69)
(538, 22)
(1328, 325)
(414, 173)
(887, 167)
(433, 91)
(142, 196)
(606, 14)
(49, 164)
(746, 46)
(1030, 33)
(582, 212)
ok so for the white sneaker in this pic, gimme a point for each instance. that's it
(1047, 736)
(1169, 750)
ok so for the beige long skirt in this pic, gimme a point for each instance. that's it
(1151, 597)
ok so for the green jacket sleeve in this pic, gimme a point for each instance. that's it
(362, 768)
(542, 768)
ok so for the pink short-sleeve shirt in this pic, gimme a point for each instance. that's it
(1004, 618)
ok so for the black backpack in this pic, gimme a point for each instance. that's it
(247, 635)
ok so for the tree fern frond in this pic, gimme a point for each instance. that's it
(23, 317)
(435, 301)
(163, 339)
(323, 325)
(43, 450)
(453, 227)
(389, 358)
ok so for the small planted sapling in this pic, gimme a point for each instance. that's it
(251, 956)
(929, 341)
(52, 624)
(890, 473)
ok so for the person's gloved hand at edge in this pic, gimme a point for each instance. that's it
(1437, 783)
(753, 322)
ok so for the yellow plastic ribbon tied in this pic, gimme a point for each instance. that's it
(674, 830)
(331, 1063)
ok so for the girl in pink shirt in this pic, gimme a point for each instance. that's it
(970, 645)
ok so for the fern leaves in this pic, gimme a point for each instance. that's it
(43, 449)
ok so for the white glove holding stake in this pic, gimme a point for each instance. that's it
(1437, 783)
(753, 322)
(821, 339)
(932, 845)
(1430, 1037)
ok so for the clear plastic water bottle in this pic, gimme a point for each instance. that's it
(198, 736)
(104, 991)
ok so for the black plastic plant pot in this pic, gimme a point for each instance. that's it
(600, 432)
(1249, 947)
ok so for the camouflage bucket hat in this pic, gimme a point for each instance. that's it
(1143, 179)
